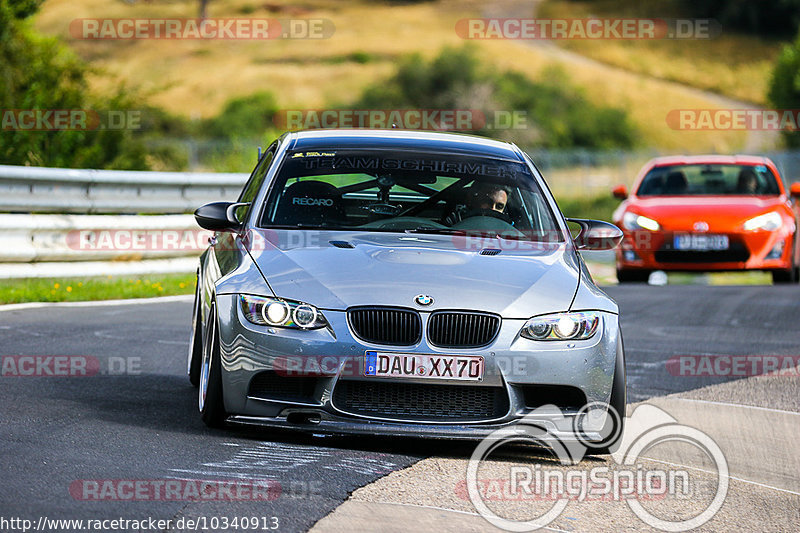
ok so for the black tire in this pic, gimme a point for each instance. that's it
(210, 398)
(615, 425)
(629, 276)
(784, 276)
(195, 341)
(787, 276)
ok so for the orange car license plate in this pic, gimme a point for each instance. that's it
(701, 242)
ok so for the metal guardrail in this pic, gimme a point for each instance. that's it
(57, 190)
(42, 238)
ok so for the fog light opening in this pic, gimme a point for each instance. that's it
(630, 255)
(776, 252)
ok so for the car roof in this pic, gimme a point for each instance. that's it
(708, 159)
(329, 139)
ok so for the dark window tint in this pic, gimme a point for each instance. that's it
(254, 183)
(407, 191)
(711, 180)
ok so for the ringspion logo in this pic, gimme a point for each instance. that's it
(630, 477)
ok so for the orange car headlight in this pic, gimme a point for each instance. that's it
(632, 221)
(767, 222)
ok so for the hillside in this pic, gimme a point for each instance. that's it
(195, 78)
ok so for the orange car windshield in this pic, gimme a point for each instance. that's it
(709, 180)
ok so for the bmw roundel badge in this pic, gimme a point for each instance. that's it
(423, 299)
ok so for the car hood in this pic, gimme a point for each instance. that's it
(390, 269)
(719, 212)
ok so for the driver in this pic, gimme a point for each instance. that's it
(480, 198)
(491, 197)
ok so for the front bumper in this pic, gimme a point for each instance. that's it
(753, 250)
(528, 373)
(319, 421)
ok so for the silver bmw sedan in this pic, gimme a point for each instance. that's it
(403, 283)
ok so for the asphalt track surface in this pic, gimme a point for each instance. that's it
(136, 419)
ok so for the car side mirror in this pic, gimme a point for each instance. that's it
(596, 234)
(620, 191)
(794, 189)
(218, 216)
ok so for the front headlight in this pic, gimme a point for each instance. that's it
(632, 221)
(768, 222)
(281, 313)
(562, 326)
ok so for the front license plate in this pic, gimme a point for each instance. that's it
(698, 242)
(414, 365)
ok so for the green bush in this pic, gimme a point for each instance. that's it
(245, 118)
(556, 114)
(597, 207)
(39, 73)
(230, 139)
(784, 89)
(768, 18)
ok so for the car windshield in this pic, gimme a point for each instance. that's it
(688, 180)
(409, 192)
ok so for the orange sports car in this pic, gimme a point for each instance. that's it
(704, 213)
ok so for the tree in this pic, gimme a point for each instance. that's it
(784, 89)
(204, 9)
(556, 113)
(39, 73)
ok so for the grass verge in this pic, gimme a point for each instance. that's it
(597, 207)
(84, 289)
(720, 278)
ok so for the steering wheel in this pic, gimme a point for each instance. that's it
(488, 213)
(404, 223)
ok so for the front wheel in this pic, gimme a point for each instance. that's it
(615, 421)
(784, 276)
(209, 399)
(787, 276)
(196, 340)
(628, 276)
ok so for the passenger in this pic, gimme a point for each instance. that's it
(676, 183)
